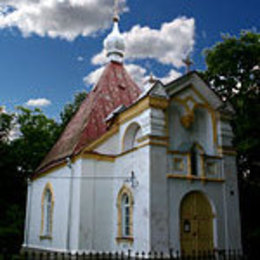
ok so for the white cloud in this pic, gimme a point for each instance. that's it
(57, 18)
(93, 77)
(139, 74)
(39, 102)
(172, 75)
(136, 72)
(168, 45)
(80, 58)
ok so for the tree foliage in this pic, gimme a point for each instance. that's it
(233, 69)
(71, 108)
(5, 125)
(233, 66)
(25, 138)
(37, 135)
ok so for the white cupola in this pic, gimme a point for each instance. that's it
(114, 44)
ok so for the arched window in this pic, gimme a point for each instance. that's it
(125, 208)
(125, 215)
(131, 136)
(47, 211)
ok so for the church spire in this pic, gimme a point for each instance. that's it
(114, 43)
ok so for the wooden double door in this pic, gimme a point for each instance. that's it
(196, 220)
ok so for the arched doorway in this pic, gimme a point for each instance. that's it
(196, 220)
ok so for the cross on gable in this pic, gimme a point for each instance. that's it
(188, 62)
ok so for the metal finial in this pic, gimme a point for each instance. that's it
(188, 62)
(116, 11)
(152, 79)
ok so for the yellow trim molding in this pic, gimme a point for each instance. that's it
(128, 151)
(98, 157)
(152, 138)
(194, 178)
(164, 144)
(143, 104)
(120, 238)
(129, 240)
(55, 168)
(102, 157)
(227, 150)
(48, 187)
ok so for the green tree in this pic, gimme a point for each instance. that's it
(71, 108)
(233, 70)
(37, 135)
(25, 138)
(6, 124)
(19, 157)
(11, 188)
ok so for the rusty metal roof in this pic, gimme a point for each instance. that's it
(115, 88)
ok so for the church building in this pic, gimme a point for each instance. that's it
(145, 168)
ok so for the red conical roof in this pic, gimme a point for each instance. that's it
(115, 88)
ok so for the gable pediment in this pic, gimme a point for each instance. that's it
(158, 90)
(193, 90)
(190, 98)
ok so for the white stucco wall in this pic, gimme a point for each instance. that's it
(138, 163)
(96, 205)
(60, 183)
(159, 224)
(101, 183)
(64, 236)
(111, 146)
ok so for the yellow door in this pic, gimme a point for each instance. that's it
(196, 220)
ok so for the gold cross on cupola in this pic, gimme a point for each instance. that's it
(188, 62)
(116, 11)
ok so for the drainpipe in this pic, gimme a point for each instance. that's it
(69, 165)
(28, 211)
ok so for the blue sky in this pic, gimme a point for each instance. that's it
(48, 55)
